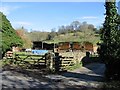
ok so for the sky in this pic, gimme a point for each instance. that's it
(119, 7)
(44, 16)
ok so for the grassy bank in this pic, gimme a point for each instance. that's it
(71, 68)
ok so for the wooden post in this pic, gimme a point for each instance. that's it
(52, 62)
(49, 60)
(57, 62)
(42, 45)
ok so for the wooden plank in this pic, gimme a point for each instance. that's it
(67, 57)
(29, 55)
(30, 58)
(67, 60)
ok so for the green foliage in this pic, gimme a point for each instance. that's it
(110, 33)
(76, 32)
(51, 35)
(76, 26)
(113, 85)
(9, 36)
(110, 46)
(79, 37)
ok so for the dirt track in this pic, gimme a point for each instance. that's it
(90, 76)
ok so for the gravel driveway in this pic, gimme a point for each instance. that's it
(90, 76)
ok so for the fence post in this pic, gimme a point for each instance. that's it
(49, 61)
(57, 62)
(52, 62)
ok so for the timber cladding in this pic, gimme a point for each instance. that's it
(75, 46)
(88, 46)
(42, 45)
(64, 45)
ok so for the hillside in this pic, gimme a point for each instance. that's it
(68, 37)
(74, 32)
(37, 35)
(75, 37)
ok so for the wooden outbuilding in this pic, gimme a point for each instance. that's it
(43, 45)
(88, 46)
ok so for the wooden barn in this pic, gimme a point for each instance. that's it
(88, 46)
(76, 46)
(43, 45)
(37, 45)
(69, 45)
(64, 45)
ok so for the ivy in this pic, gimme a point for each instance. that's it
(9, 35)
(110, 46)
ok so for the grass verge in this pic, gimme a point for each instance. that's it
(112, 85)
(75, 66)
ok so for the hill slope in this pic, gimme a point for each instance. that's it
(76, 37)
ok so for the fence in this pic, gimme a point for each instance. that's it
(66, 61)
(61, 63)
(49, 60)
(30, 59)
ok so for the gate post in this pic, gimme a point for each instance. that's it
(49, 61)
(52, 62)
(57, 62)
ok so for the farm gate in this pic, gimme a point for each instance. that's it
(50, 61)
